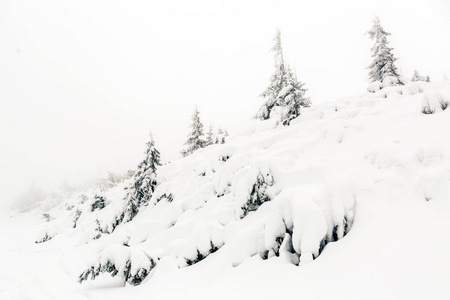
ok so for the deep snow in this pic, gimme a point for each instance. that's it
(373, 165)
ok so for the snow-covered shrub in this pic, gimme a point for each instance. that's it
(432, 100)
(417, 77)
(131, 264)
(301, 223)
(251, 188)
(98, 229)
(375, 86)
(166, 196)
(45, 238)
(46, 234)
(99, 202)
(76, 217)
(259, 194)
(199, 254)
(47, 217)
(389, 81)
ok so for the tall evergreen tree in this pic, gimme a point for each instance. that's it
(195, 139)
(144, 181)
(284, 89)
(383, 64)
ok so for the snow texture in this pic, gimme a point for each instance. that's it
(340, 204)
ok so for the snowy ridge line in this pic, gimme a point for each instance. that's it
(269, 192)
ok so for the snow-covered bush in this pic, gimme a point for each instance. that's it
(43, 239)
(133, 265)
(303, 217)
(375, 86)
(76, 217)
(99, 202)
(197, 254)
(389, 81)
(46, 234)
(432, 101)
(417, 77)
(251, 187)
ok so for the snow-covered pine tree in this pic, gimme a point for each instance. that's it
(209, 136)
(195, 139)
(144, 182)
(383, 65)
(418, 77)
(284, 89)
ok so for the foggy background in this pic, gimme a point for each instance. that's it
(83, 82)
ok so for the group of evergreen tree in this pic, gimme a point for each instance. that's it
(383, 69)
(197, 138)
(285, 94)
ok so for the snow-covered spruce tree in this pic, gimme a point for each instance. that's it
(284, 90)
(99, 201)
(383, 66)
(144, 181)
(418, 77)
(209, 136)
(195, 139)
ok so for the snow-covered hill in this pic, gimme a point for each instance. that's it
(350, 201)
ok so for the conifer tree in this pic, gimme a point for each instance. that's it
(418, 77)
(284, 89)
(383, 64)
(144, 181)
(195, 139)
(209, 136)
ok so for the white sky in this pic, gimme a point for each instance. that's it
(83, 82)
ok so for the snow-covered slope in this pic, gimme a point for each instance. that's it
(254, 218)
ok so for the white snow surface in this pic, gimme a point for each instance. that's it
(371, 163)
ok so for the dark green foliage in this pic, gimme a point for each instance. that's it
(77, 216)
(144, 182)
(201, 256)
(44, 239)
(111, 268)
(99, 202)
(258, 194)
(166, 196)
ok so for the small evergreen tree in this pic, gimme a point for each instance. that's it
(209, 136)
(418, 77)
(144, 183)
(195, 139)
(284, 89)
(383, 64)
